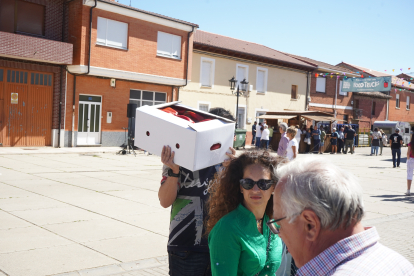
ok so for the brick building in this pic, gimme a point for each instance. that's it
(325, 91)
(33, 55)
(121, 55)
(398, 100)
(69, 69)
(276, 81)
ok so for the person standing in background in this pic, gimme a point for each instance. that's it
(375, 141)
(265, 137)
(383, 140)
(316, 135)
(308, 137)
(258, 135)
(271, 129)
(396, 141)
(284, 141)
(323, 137)
(334, 140)
(349, 140)
(410, 165)
(293, 146)
(341, 138)
(298, 136)
(254, 133)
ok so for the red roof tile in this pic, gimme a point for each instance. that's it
(245, 47)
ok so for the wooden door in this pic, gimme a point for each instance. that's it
(39, 116)
(15, 114)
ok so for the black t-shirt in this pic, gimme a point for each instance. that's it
(350, 134)
(189, 209)
(254, 129)
(395, 140)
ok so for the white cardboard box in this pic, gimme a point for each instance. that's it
(191, 142)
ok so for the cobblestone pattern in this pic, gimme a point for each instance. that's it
(397, 233)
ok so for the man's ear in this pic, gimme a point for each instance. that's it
(312, 225)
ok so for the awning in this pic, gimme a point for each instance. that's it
(279, 117)
(319, 118)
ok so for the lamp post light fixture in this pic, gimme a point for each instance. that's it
(243, 91)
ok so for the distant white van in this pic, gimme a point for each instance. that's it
(389, 128)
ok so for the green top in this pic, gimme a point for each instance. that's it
(323, 134)
(270, 132)
(238, 248)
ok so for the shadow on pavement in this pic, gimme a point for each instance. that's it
(403, 160)
(396, 198)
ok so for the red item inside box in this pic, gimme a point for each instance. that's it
(185, 114)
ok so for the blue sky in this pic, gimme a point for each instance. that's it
(370, 33)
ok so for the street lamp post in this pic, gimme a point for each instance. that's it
(238, 93)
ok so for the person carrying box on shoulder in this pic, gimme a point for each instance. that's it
(187, 192)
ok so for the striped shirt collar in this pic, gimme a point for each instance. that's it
(340, 253)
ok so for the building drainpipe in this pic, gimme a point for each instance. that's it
(188, 51)
(307, 92)
(388, 106)
(61, 71)
(336, 96)
(89, 68)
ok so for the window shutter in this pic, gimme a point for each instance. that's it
(260, 81)
(340, 90)
(206, 73)
(241, 75)
(320, 84)
(30, 18)
(101, 31)
(294, 92)
(117, 34)
(163, 44)
(176, 46)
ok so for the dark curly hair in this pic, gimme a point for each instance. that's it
(225, 194)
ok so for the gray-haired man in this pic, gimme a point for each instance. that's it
(323, 229)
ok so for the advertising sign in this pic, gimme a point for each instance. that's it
(14, 98)
(378, 84)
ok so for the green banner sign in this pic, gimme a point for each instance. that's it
(378, 84)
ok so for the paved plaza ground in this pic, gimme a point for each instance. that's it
(87, 211)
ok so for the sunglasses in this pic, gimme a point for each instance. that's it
(262, 184)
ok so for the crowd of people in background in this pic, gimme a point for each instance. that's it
(243, 221)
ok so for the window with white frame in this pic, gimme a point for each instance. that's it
(340, 90)
(240, 117)
(242, 72)
(204, 107)
(261, 80)
(141, 98)
(260, 113)
(169, 45)
(207, 72)
(320, 85)
(112, 33)
(397, 101)
(408, 103)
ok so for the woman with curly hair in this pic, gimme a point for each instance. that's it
(240, 204)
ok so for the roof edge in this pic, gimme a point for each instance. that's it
(253, 55)
(145, 13)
